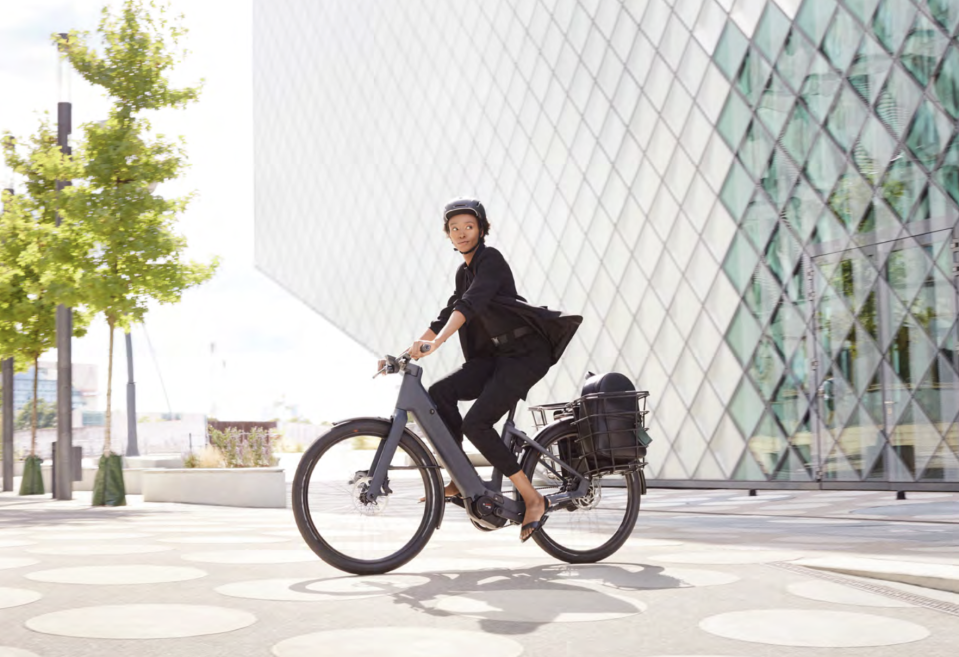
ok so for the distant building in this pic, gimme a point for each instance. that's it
(84, 386)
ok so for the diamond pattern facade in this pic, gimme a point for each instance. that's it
(753, 204)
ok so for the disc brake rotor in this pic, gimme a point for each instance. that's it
(362, 503)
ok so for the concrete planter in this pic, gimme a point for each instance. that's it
(246, 487)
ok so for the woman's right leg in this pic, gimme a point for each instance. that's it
(465, 384)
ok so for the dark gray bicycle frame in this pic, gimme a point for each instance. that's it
(414, 399)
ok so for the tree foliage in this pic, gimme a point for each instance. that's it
(122, 233)
(46, 414)
(30, 253)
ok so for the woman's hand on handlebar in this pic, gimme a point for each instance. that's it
(423, 348)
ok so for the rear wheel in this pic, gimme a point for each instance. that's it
(590, 528)
(337, 519)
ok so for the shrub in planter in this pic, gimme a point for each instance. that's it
(244, 450)
(32, 482)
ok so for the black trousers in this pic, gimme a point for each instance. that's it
(496, 383)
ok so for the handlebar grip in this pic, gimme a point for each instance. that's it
(424, 348)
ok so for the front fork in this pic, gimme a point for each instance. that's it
(384, 456)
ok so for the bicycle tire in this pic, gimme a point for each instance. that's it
(322, 546)
(550, 542)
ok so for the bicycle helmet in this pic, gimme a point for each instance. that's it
(465, 205)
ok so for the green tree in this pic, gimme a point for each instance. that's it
(28, 259)
(131, 253)
(42, 415)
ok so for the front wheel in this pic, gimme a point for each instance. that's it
(337, 519)
(590, 528)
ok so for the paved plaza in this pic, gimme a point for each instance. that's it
(705, 573)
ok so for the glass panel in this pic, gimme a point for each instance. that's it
(783, 253)
(762, 295)
(799, 134)
(814, 17)
(873, 150)
(774, 105)
(934, 204)
(771, 31)
(898, 100)
(947, 83)
(863, 9)
(842, 39)
(858, 359)
(948, 174)
(779, 178)
(734, 120)
(790, 406)
(946, 12)
(854, 278)
(746, 407)
(862, 442)
(795, 58)
(892, 21)
(879, 223)
(935, 304)
(766, 369)
(829, 231)
(802, 210)
(903, 184)
(768, 445)
(730, 50)
(929, 134)
(847, 118)
(740, 262)
(944, 465)
(923, 48)
(850, 198)
(821, 84)
(737, 190)
(753, 76)
(911, 439)
(869, 69)
(906, 271)
(787, 329)
(755, 150)
(824, 165)
(759, 221)
(743, 335)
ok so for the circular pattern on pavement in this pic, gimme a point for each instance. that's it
(116, 575)
(90, 536)
(402, 642)
(6, 651)
(728, 557)
(6, 563)
(17, 597)
(324, 590)
(826, 591)
(252, 556)
(565, 605)
(813, 628)
(98, 549)
(222, 539)
(141, 621)
(447, 566)
(629, 576)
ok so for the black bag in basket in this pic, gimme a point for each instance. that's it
(609, 423)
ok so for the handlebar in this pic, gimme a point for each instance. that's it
(391, 365)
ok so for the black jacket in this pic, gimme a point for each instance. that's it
(485, 291)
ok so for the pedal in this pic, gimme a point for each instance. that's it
(457, 500)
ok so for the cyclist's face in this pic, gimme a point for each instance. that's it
(464, 231)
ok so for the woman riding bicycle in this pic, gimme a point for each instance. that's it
(508, 345)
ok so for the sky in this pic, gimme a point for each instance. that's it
(239, 347)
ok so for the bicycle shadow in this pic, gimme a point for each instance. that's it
(514, 601)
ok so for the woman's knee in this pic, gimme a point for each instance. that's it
(475, 425)
(442, 390)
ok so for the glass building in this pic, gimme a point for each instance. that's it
(752, 203)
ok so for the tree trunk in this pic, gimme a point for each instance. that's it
(109, 418)
(33, 420)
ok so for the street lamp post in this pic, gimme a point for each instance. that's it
(8, 413)
(63, 483)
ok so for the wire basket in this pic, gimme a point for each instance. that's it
(612, 432)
